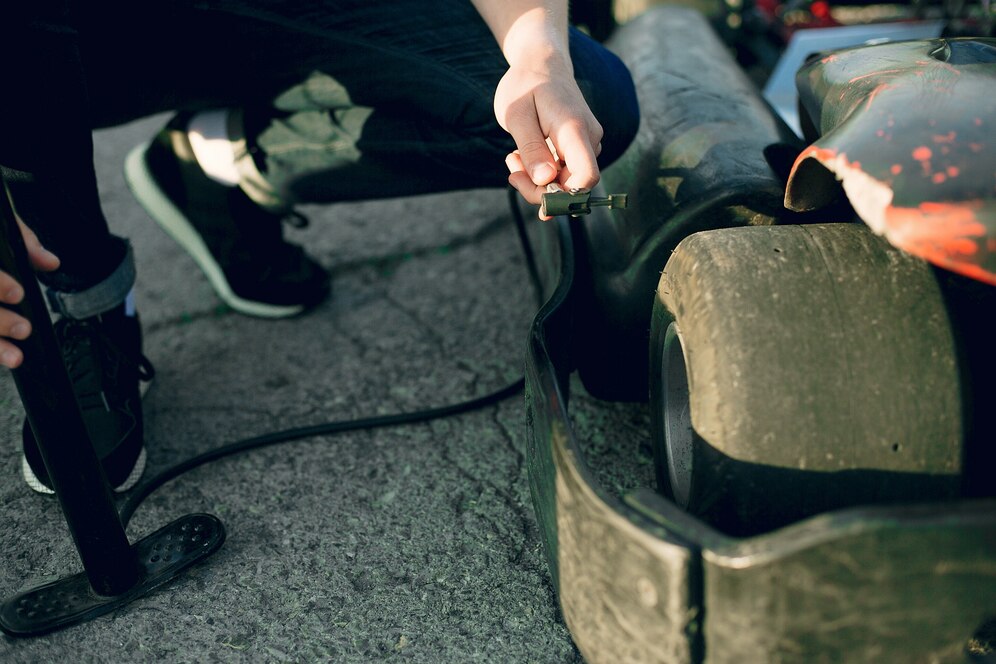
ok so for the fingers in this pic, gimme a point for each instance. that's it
(12, 326)
(557, 137)
(576, 142)
(10, 355)
(522, 183)
(520, 180)
(10, 291)
(534, 157)
(40, 257)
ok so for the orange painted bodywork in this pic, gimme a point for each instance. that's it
(908, 128)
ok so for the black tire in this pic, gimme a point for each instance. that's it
(818, 368)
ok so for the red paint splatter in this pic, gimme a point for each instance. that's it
(923, 154)
(950, 235)
(975, 147)
(946, 234)
(953, 171)
(875, 73)
(896, 169)
(945, 138)
(938, 178)
(963, 247)
(874, 93)
(822, 154)
(880, 133)
(970, 270)
(958, 218)
(978, 122)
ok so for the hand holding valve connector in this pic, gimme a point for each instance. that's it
(576, 202)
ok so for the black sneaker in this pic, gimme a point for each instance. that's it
(104, 358)
(238, 244)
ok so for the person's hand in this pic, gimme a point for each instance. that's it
(542, 108)
(13, 326)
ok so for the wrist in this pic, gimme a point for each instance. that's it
(537, 40)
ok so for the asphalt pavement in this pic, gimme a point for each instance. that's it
(415, 542)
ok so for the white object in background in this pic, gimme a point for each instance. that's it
(780, 89)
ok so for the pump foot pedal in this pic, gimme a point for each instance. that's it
(161, 556)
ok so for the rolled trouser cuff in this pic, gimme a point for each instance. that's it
(99, 298)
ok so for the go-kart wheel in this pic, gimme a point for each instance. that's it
(800, 369)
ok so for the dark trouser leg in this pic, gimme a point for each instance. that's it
(343, 100)
(321, 146)
(73, 228)
(45, 154)
(407, 109)
(411, 111)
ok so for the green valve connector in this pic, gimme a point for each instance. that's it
(577, 202)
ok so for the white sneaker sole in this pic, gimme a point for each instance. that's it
(32, 480)
(136, 472)
(173, 221)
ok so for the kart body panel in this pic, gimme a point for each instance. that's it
(639, 579)
(908, 130)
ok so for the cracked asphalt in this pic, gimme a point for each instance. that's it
(415, 542)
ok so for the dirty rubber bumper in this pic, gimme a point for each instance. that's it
(640, 580)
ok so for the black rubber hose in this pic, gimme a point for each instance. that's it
(288, 435)
(144, 490)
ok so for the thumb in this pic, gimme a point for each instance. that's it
(40, 257)
(537, 160)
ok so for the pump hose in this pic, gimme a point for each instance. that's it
(144, 490)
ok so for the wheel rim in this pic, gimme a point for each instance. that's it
(678, 432)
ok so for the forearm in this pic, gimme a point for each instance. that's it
(529, 32)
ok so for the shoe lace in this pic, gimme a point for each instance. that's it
(94, 361)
